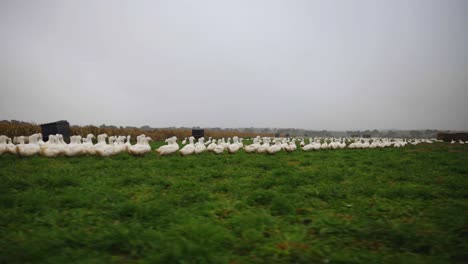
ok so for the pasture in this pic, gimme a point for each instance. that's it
(389, 205)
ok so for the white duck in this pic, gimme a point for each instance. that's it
(88, 145)
(333, 144)
(102, 148)
(30, 149)
(141, 147)
(200, 146)
(291, 146)
(119, 145)
(219, 148)
(212, 145)
(234, 147)
(170, 148)
(241, 143)
(188, 149)
(11, 147)
(227, 143)
(3, 144)
(284, 144)
(40, 141)
(74, 148)
(275, 148)
(128, 143)
(52, 148)
(207, 143)
(254, 146)
(324, 145)
(310, 146)
(263, 148)
(365, 144)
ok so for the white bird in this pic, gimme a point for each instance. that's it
(88, 145)
(212, 145)
(52, 148)
(275, 148)
(208, 142)
(188, 149)
(309, 146)
(284, 144)
(254, 146)
(40, 141)
(74, 148)
(102, 148)
(128, 143)
(141, 147)
(200, 146)
(11, 147)
(219, 148)
(234, 147)
(3, 144)
(291, 146)
(263, 148)
(119, 145)
(30, 149)
(333, 144)
(241, 143)
(365, 144)
(170, 148)
(324, 145)
(227, 143)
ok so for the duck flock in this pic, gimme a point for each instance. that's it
(108, 146)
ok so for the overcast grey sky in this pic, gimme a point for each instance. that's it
(335, 65)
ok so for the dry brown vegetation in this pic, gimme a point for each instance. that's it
(12, 129)
(18, 129)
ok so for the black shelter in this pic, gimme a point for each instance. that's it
(198, 133)
(60, 127)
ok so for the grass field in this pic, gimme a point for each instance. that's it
(343, 206)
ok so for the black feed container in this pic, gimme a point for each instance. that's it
(60, 127)
(198, 133)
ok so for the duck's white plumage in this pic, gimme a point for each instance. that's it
(275, 148)
(30, 149)
(263, 148)
(254, 146)
(200, 146)
(219, 148)
(170, 148)
(188, 149)
(141, 147)
(234, 147)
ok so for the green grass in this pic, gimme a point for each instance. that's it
(344, 206)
